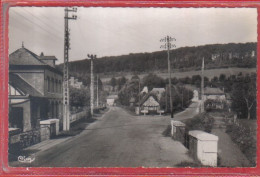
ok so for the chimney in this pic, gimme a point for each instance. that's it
(42, 54)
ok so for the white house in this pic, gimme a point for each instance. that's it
(213, 94)
(111, 100)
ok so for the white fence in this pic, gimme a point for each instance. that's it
(77, 116)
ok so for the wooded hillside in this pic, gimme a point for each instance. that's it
(185, 58)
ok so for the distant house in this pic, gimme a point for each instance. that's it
(75, 83)
(111, 100)
(145, 90)
(214, 98)
(150, 103)
(213, 94)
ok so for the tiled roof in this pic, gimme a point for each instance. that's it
(146, 97)
(48, 58)
(17, 82)
(213, 91)
(24, 56)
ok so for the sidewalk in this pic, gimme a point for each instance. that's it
(44, 145)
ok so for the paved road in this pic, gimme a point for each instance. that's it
(117, 139)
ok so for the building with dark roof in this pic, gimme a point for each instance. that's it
(213, 94)
(35, 89)
(149, 103)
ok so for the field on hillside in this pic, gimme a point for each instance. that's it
(210, 73)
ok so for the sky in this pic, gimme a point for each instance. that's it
(120, 31)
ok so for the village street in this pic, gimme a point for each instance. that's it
(118, 139)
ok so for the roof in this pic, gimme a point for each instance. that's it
(213, 91)
(48, 58)
(151, 101)
(203, 135)
(160, 90)
(143, 100)
(24, 56)
(25, 59)
(112, 97)
(18, 82)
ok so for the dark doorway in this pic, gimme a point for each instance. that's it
(16, 117)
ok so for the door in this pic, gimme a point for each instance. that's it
(16, 117)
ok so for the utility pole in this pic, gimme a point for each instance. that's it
(66, 109)
(202, 87)
(166, 98)
(91, 57)
(167, 40)
(139, 94)
(97, 92)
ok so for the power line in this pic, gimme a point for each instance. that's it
(43, 29)
(45, 23)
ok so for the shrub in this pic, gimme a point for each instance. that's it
(244, 137)
(202, 122)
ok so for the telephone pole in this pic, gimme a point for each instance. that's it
(91, 57)
(167, 40)
(97, 92)
(202, 87)
(66, 109)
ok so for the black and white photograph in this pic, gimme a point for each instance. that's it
(132, 87)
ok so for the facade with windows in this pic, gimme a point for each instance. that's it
(35, 89)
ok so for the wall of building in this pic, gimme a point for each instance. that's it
(34, 77)
(215, 97)
(50, 90)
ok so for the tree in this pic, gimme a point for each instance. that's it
(120, 82)
(113, 82)
(130, 89)
(152, 81)
(195, 79)
(181, 98)
(244, 95)
(222, 78)
(79, 97)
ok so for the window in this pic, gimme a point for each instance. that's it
(52, 84)
(48, 84)
(60, 86)
(56, 86)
